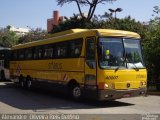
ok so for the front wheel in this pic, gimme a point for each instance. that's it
(75, 92)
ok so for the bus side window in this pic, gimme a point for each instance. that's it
(21, 54)
(14, 55)
(61, 50)
(75, 48)
(53, 50)
(38, 52)
(28, 53)
(48, 51)
(35, 54)
(90, 53)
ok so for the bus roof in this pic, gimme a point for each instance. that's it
(71, 32)
(117, 33)
(101, 32)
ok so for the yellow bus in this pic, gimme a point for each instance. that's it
(101, 64)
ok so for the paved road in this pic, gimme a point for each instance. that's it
(18, 101)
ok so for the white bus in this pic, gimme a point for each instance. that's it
(4, 63)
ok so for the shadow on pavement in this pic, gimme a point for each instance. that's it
(38, 99)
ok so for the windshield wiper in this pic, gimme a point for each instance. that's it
(123, 61)
(135, 67)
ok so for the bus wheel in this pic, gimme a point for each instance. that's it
(29, 82)
(75, 92)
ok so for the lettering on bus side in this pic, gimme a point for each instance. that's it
(53, 65)
(111, 77)
(140, 76)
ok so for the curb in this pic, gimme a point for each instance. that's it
(153, 93)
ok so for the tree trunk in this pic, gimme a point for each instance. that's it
(79, 8)
(92, 7)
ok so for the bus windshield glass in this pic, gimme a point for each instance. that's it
(119, 52)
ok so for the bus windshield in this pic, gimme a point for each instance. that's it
(119, 52)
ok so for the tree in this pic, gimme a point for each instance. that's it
(156, 10)
(33, 35)
(105, 21)
(76, 22)
(152, 49)
(7, 38)
(156, 14)
(152, 52)
(128, 24)
(115, 11)
(91, 3)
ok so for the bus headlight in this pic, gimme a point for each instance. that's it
(103, 86)
(106, 86)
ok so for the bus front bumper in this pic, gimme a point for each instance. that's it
(117, 94)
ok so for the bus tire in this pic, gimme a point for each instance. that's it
(28, 82)
(21, 82)
(75, 91)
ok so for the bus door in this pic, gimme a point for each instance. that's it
(90, 64)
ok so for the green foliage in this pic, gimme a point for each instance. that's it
(71, 23)
(8, 38)
(97, 22)
(127, 23)
(152, 47)
(33, 35)
(152, 50)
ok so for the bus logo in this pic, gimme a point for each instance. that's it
(56, 66)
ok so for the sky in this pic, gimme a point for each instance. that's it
(34, 13)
